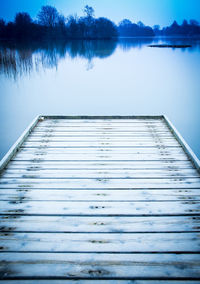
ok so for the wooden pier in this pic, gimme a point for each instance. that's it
(100, 199)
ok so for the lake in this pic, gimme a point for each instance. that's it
(125, 77)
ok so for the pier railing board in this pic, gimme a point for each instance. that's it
(91, 199)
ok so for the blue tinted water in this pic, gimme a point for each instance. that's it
(100, 78)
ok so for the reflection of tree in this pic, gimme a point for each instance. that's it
(14, 62)
(21, 59)
(138, 42)
(90, 49)
(127, 43)
(7, 61)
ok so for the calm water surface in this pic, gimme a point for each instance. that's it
(100, 78)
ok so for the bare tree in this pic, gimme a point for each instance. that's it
(88, 11)
(48, 16)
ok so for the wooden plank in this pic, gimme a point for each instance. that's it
(128, 123)
(100, 281)
(89, 208)
(84, 127)
(119, 155)
(100, 144)
(102, 121)
(90, 173)
(102, 130)
(115, 123)
(99, 266)
(94, 118)
(100, 156)
(101, 138)
(153, 150)
(104, 126)
(37, 164)
(94, 123)
(101, 183)
(102, 117)
(99, 195)
(98, 224)
(100, 134)
(105, 242)
(93, 281)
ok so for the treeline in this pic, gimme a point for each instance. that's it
(128, 29)
(50, 24)
(190, 28)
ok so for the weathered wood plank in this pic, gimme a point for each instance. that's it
(93, 281)
(101, 144)
(96, 133)
(115, 134)
(36, 164)
(90, 173)
(99, 195)
(153, 150)
(146, 121)
(101, 208)
(105, 242)
(101, 117)
(101, 131)
(101, 183)
(93, 126)
(96, 118)
(102, 122)
(98, 224)
(99, 156)
(83, 127)
(98, 139)
(104, 119)
(101, 266)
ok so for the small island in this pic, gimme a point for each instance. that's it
(171, 45)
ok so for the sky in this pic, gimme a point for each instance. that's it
(150, 12)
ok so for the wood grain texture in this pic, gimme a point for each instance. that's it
(99, 224)
(105, 242)
(123, 195)
(94, 281)
(116, 208)
(93, 265)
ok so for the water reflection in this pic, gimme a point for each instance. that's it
(128, 77)
(21, 59)
(127, 43)
(18, 59)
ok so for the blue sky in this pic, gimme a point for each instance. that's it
(150, 12)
